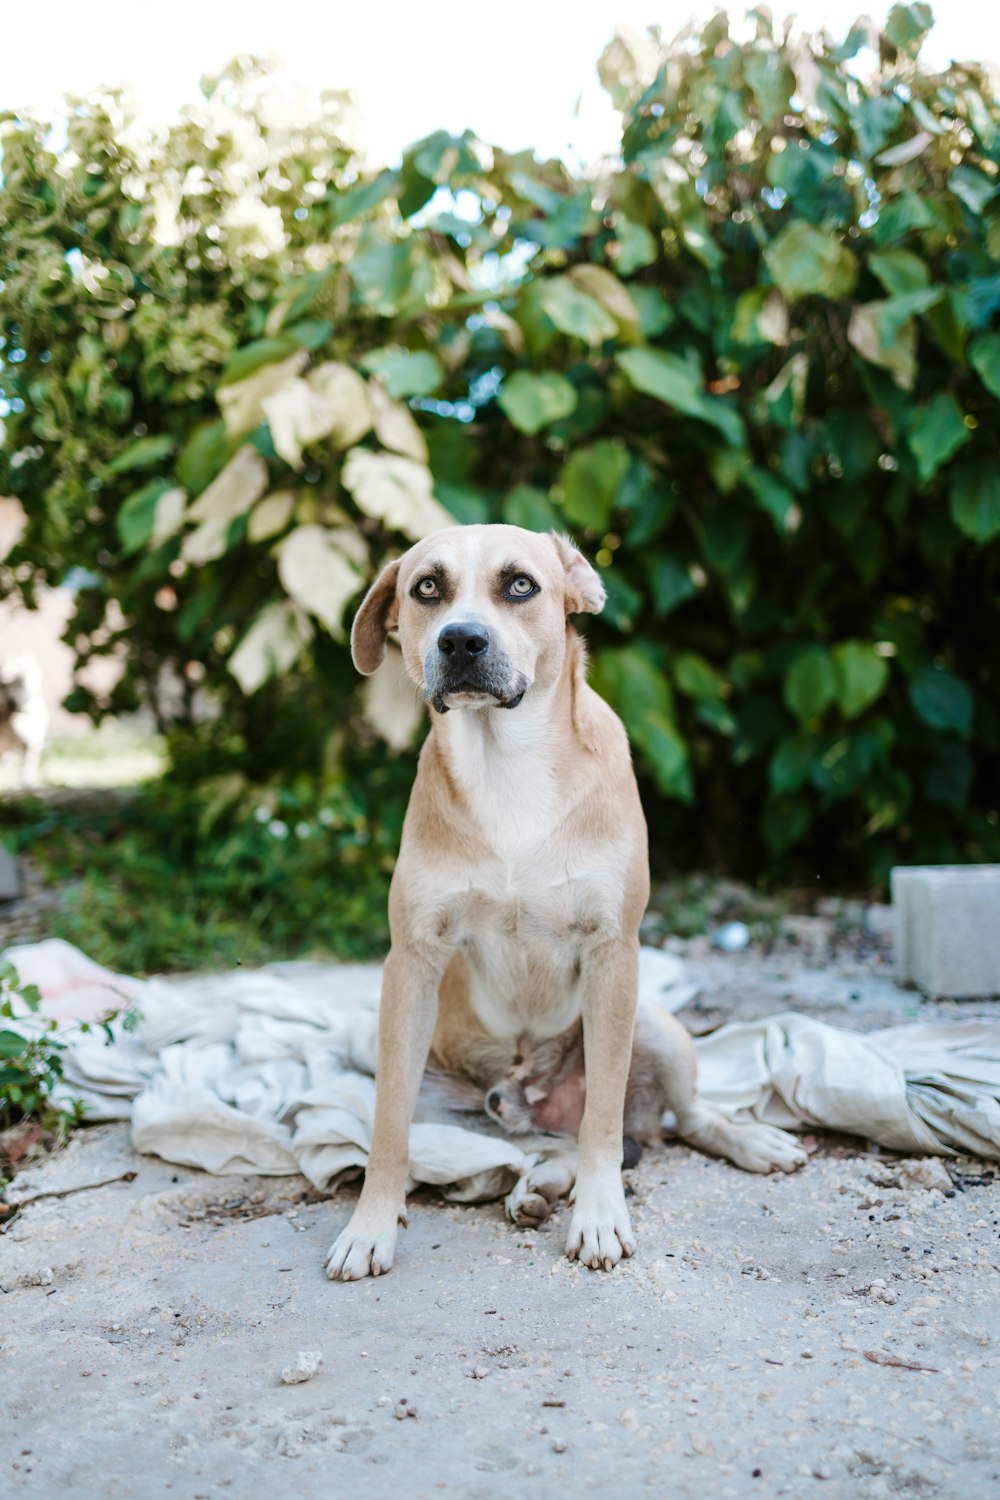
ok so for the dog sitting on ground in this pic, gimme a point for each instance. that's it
(514, 909)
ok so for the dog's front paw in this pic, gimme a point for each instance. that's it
(600, 1231)
(364, 1248)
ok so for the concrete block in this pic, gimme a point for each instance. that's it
(947, 926)
(10, 876)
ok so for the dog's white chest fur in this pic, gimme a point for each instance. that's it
(502, 766)
(526, 919)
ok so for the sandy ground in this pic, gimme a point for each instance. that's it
(834, 1333)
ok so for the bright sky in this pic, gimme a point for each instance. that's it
(517, 72)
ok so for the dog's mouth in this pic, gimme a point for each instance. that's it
(466, 693)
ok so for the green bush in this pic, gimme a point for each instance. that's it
(754, 366)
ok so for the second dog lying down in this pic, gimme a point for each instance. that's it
(544, 1089)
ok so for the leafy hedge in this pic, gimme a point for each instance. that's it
(754, 365)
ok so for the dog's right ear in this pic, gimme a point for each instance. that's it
(377, 616)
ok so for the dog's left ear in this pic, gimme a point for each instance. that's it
(377, 616)
(585, 593)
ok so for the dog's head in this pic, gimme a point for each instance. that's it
(481, 613)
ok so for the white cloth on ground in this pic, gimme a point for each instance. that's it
(272, 1072)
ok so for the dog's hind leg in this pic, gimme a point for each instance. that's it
(536, 1194)
(664, 1061)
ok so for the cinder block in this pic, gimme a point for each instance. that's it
(10, 876)
(947, 920)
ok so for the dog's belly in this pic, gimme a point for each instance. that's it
(525, 957)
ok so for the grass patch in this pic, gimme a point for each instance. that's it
(174, 879)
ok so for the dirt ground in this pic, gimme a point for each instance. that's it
(835, 1333)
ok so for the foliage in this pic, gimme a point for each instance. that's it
(30, 1057)
(234, 874)
(755, 366)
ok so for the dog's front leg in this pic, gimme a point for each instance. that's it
(406, 1025)
(600, 1231)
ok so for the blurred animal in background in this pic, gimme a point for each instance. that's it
(24, 718)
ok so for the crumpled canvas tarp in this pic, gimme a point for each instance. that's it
(272, 1072)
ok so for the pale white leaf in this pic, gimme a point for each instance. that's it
(394, 425)
(271, 645)
(315, 573)
(231, 494)
(396, 491)
(391, 704)
(13, 520)
(332, 402)
(270, 515)
(241, 402)
(168, 516)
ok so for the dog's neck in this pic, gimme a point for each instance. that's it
(502, 765)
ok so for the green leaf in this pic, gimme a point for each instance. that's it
(677, 383)
(574, 313)
(636, 246)
(590, 481)
(984, 357)
(973, 187)
(805, 261)
(405, 372)
(639, 692)
(810, 684)
(791, 762)
(202, 456)
(361, 197)
(310, 333)
(899, 271)
(143, 454)
(254, 356)
(974, 501)
(655, 313)
(861, 676)
(772, 496)
(532, 402)
(12, 1044)
(875, 119)
(696, 677)
(942, 700)
(936, 433)
(670, 583)
(134, 521)
(531, 508)
(468, 506)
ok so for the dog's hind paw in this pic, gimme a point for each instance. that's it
(765, 1148)
(358, 1252)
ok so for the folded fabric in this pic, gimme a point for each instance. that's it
(272, 1072)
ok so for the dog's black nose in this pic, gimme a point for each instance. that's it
(460, 640)
(493, 1099)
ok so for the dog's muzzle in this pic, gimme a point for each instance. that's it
(464, 661)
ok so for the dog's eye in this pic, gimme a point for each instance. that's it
(521, 587)
(427, 589)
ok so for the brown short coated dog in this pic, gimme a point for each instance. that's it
(515, 905)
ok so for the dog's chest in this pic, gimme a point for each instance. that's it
(527, 945)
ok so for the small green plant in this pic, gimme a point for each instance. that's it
(30, 1065)
(31, 1056)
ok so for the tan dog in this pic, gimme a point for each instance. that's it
(521, 881)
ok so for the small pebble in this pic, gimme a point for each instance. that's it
(308, 1362)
